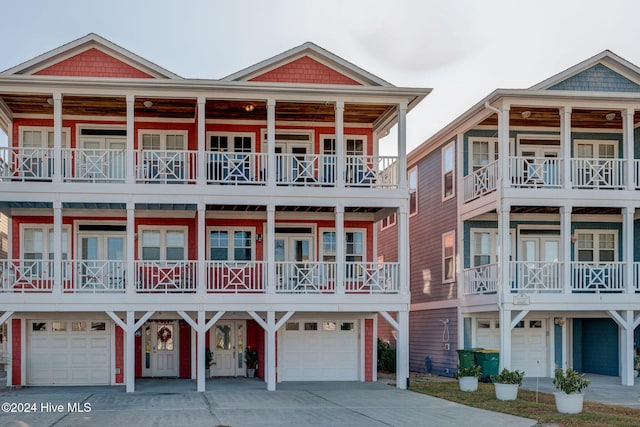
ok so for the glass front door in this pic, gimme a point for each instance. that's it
(227, 345)
(102, 264)
(160, 349)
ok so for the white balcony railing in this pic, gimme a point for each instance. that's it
(164, 167)
(305, 277)
(536, 276)
(481, 181)
(598, 173)
(26, 275)
(166, 276)
(236, 168)
(597, 277)
(371, 277)
(480, 280)
(93, 165)
(95, 276)
(371, 171)
(27, 164)
(535, 172)
(306, 169)
(235, 276)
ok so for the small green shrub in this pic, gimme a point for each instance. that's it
(508, 377)
(570, 381)
(386, 356)
(471, 371)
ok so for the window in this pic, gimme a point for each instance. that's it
(483, 151)
(599, 246)
(292, 326)
(33, 137)
(413, 190)
(388, 221)
(35, 246)
(354, 246)
(163, 245)
(230, 245)
(237, 143)
(353, 146)
(448, 256)
(596, 149)
(164, 140)
(485, 246)
(448, 162)
(310, 326)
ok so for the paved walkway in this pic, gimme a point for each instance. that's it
(243, 402)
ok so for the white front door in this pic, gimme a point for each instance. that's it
(227, 345)
(293, 257)
(160, 349)
(541, 270)
(103, 261)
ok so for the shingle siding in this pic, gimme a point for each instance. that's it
(598, 78)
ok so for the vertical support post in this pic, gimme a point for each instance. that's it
(130, 357)
(271, 350)
(565, 248)
(629, 144)
(271, 142)
(627, 250)
(130, 177)
(565, 346)
(202, 174)
(57, 138)
(341, 266)
(200, 350)
(402, 350)
(503, 145)
(402, 144)
(565, 143)
(403, 249)
(626, 348)
(340, 153)
(131, 248)
(57, 243)
(503, 258)
(270, 245)
(460, 246)
(505, 339)
(201, 277)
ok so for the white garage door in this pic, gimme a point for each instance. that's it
(528, 344)
(322, 350)
(73, 352)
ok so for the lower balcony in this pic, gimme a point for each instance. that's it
(222, 277)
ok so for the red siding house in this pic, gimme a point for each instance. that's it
(153, 217)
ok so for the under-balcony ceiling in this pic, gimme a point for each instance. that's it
(550, 117)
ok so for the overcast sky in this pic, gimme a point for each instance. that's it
(461, 49)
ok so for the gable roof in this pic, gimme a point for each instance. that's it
(90, 44)
(305, 52)
(604, 72)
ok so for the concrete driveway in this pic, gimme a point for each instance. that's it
(240, 402)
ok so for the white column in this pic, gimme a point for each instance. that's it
(629, 143)
(402, 350)
(503, 258)
(202, 145)
(130, 151)
(340, 249)
(57, 137)
(130, 353)
(200, 348)
(269, 248)
(57, 244)
(565, 247)
(271, 351)
(626, 348)
(403, 249)
(131, 247)
(565, 144)
(503, 145)
(202, 250)
(627, 249)
(271, 142)
(505, 339)
(340, 151)
(565, 345)
(402, 144)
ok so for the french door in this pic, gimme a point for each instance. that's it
(102, 159)
(294, 262)
(228, 345)
(102, 258)
(540, 269)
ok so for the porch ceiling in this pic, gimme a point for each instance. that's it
(305, 209)
(550, 117)
(579, 210)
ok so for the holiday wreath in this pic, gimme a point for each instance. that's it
(164, 334)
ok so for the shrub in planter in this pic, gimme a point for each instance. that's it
(468, 377)
(506, 384)
(386, 356)
(569, 399)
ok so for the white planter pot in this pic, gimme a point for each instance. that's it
(251, 372)
(506, 391)
(468, 383)
(569, 403)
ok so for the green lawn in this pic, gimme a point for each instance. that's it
(544, 410)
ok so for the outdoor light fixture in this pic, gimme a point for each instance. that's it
(249, 108)
(526, 114)
(259, 237)
(50, 101)
(610, 116)
(148, 104)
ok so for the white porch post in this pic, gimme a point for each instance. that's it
(57, 138)
(202, 145)
(131, 248)
(200, 346)
(629, 143)
(505, 339)
(130, 353)
(503, 258)
(626, 348)
(340, 250)
(130, 177)
(402, 349)
(565, 247)
(402, 144)
(565, 345)
(565, 143)
(271, 142)
(271, 351)
(201, 277)
(503, 145)
(270, 245)
(57, 251)
(403, 249)
(627, 250)
(340, 151)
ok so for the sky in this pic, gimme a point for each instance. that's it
(463, 49)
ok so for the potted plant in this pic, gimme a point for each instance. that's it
(468, 377)
(506, 384)
(251, 360)
(636, 365)
(208, 361)
(569, 399)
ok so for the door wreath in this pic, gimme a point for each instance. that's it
(164, 334)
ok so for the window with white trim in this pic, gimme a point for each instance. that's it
(596, 246)
(36, 246)
(230, 245)
(164, 244)
(353, 145)
(41, 137)
(485, 246)
(448, 175)
(156, 140)
(413, 190)
(388, 221)
(482, 152)
(232, 142)
(448, 256)
(587, 149)
(354, 246)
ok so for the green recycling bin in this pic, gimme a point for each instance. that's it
(489, 362)
(466, 357)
